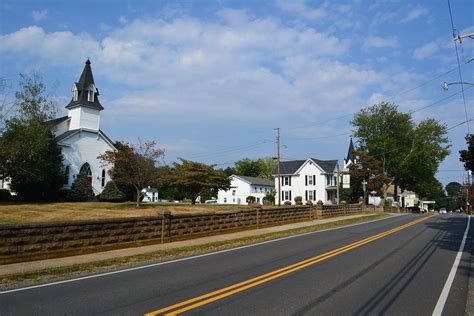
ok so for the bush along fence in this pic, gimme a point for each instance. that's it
(28, 242)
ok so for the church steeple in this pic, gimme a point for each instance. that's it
(351, 155)
(85, 92)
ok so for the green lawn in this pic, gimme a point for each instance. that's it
(17, 213)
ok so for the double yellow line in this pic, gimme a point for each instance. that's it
(242, 286)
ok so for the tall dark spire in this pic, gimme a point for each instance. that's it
(83, 87)
(351, 156)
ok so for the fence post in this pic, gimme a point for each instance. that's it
(258, 213)
(165, 217)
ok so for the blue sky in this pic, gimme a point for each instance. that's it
(210, 80)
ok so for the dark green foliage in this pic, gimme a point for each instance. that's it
(467, 156)
(262, 168)
(81, 189)
(269, 197)
(250, 199)
(192, 178)
(298, 200)
(5, 195)
(111, 193)
(31, 158)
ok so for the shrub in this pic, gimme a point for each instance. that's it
(81, 189)
(298, 200)
(287, 203)
(5, 195)
(309, 202)
(250, 199)
(320, 203)
(111, 193)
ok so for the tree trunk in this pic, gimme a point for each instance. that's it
(138, 198)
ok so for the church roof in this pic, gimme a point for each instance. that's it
(86, 82)
(69, 133)
(351, 156)
(57, 121)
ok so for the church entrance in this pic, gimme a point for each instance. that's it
(86, 170)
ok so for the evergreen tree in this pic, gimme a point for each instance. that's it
(111, 193)
(81, 189)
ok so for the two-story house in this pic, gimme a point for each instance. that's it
(242, 187)
(312, 179)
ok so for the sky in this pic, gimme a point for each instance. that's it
(211, 80)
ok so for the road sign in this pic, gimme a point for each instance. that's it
(346, 181)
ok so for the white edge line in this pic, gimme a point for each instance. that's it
(449, 282)
(184, 259)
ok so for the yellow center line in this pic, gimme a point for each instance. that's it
(242, 286)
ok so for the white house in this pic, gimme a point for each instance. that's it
(312, 179)
(79, 134)
(242, 187)
(409, 199)
(150, 195)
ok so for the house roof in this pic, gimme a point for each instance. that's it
(57, 121)
(86, 82)
(256, 181)
(290, 167)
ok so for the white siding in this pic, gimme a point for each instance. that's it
(85, 147)
(83, 117)
(240, 190)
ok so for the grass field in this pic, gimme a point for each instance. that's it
(18, 213)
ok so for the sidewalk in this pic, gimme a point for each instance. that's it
(127, 252)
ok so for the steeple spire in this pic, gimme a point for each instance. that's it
(351, 152)
(85, 92)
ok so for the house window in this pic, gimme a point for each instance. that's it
(90, 96)
(103, 177)
(328, 180)
(233, 193)
(286, 195)
(287, 181)
(86, 170)
(66, 175)
(225, 200)
(310, 195)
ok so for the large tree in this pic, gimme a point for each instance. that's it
(467, 156)
(134, 166)
(29, 154)
(262, 167)
(193, 178)
(409, 153)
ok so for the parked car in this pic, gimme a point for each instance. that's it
(442, 211)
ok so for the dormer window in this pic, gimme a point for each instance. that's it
(75, 93)
(90, 96)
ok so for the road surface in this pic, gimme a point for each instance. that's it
(394, 266)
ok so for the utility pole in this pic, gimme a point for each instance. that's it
(468, 189)
(337, 182)
(278, 165)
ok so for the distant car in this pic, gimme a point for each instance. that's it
(442, 211)
(211, 202)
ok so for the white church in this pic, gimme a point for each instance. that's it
(79, 135)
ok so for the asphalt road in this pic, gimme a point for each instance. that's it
(401, 273)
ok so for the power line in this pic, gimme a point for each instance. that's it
(438, 101)
(459, 67)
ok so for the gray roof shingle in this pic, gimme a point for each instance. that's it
(256, 181)
(290, 167)
(86, 80)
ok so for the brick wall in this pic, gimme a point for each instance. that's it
(45, 240)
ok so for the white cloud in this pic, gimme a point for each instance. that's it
(381, 42)
(426, 50)
(414, 13)
(302, 9)
(39, 15)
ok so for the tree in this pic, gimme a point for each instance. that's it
(134, 166)
(111, 193)
(29, 154)
(369, 169)
(270, 196)
(409, 153)
(262, 167)
(81, 189)
(467, 156)
(192, 178)
(453, 188)
(455, 195)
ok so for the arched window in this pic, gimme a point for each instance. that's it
(66, 175)
(86, 170)
(103, 177)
